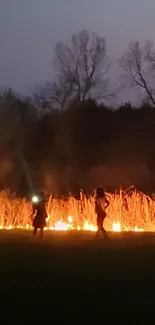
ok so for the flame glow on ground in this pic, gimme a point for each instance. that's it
(63, 226)
(134, 212)
(116, 227)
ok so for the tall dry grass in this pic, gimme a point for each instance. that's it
(134, 210)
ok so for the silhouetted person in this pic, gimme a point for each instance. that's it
(40, 215)
(101, 203)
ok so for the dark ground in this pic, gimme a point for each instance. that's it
(71, 278)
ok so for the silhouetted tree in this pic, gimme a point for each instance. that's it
(81, 71)
(136, 63)
(16, 117)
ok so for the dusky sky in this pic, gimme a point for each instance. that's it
(29, 30)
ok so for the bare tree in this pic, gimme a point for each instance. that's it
(40, 97)
(138, 63)
(82, 72)
(150, 54)
(82, 69)
(82, 66)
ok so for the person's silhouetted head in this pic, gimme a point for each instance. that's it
(100, 191)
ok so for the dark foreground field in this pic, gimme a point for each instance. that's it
(71, 278)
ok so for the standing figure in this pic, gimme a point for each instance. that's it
(101, 203)
(40, 215)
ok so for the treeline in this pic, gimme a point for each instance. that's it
(67, 137)
(77, 148)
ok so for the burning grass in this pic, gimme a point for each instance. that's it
(134, 212)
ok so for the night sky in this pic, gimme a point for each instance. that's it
(29, 30)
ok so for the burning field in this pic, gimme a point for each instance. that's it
(134, 212)
(72, 276)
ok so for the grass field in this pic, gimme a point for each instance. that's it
(73, 278)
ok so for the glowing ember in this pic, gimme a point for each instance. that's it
(9, 227)
(116, 227)
(70, 219)
(138, 229)
(89, 227)
(60, 226)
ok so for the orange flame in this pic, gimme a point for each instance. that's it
(130, 213)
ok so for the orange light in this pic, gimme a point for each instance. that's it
(130, 213)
